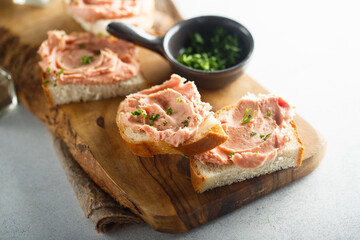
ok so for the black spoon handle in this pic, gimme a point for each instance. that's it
(136, 35)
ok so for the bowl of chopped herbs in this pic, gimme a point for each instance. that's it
(212, 51)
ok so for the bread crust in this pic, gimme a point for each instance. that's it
(198, 180)
(214, 137)
(293, 124)
(46, 89)
(52, 100)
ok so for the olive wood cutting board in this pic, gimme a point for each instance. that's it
(158, 189)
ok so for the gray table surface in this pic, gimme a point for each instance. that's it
(306, 51)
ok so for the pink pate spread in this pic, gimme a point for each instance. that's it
(258, 128)
(93, 10)
(171, 112)
(83, 58)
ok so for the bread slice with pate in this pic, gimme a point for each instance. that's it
(95, 15)
(263, 138)
(84, 67)
(168, 119)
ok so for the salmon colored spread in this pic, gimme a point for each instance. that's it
(83, 58)
(258, 128)
(175, 106)
(93, 10)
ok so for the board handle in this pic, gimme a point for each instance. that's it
(136, 35)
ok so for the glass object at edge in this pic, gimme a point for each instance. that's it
(8, 99)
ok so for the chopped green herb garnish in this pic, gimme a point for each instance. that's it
(178, 100)
(264, 137)
(81, 46)
(137, 112)
(86, 59)
(257, 152)
(46, 81)
(232, 154)
(269, 114)
(247, 117)
(153, 118)
(169, 111)
(185, 122)
(98, 52)
(165, 122)
(55, 84)
(253, 133)
(220, 51)
(188, 117)
(60, 72)
(48, 69)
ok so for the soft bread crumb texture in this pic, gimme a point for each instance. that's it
(66, 93)
(209, 176)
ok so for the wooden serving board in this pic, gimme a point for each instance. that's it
(157, 189)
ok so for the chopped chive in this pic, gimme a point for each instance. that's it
(253, 133)
(232, 154)
(86, 59)
(165, 122)
(269, 114)
(216, 51)
(247, 117)
(153, 118)
(188, 117)
(264, 137)
(178, 100)
(98, 52)
(137, 112)
(48, 69)
(257, 152)
(60, 72)
(169, 111)
(46, 81)
(185, 122)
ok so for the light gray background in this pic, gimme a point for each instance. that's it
(308, 52)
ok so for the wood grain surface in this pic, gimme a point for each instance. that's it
(157, 189)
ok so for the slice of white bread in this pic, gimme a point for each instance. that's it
(144, 21)
(209, 135)
(58, 94)
(205, 176)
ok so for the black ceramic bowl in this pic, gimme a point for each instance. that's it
(178, 37)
